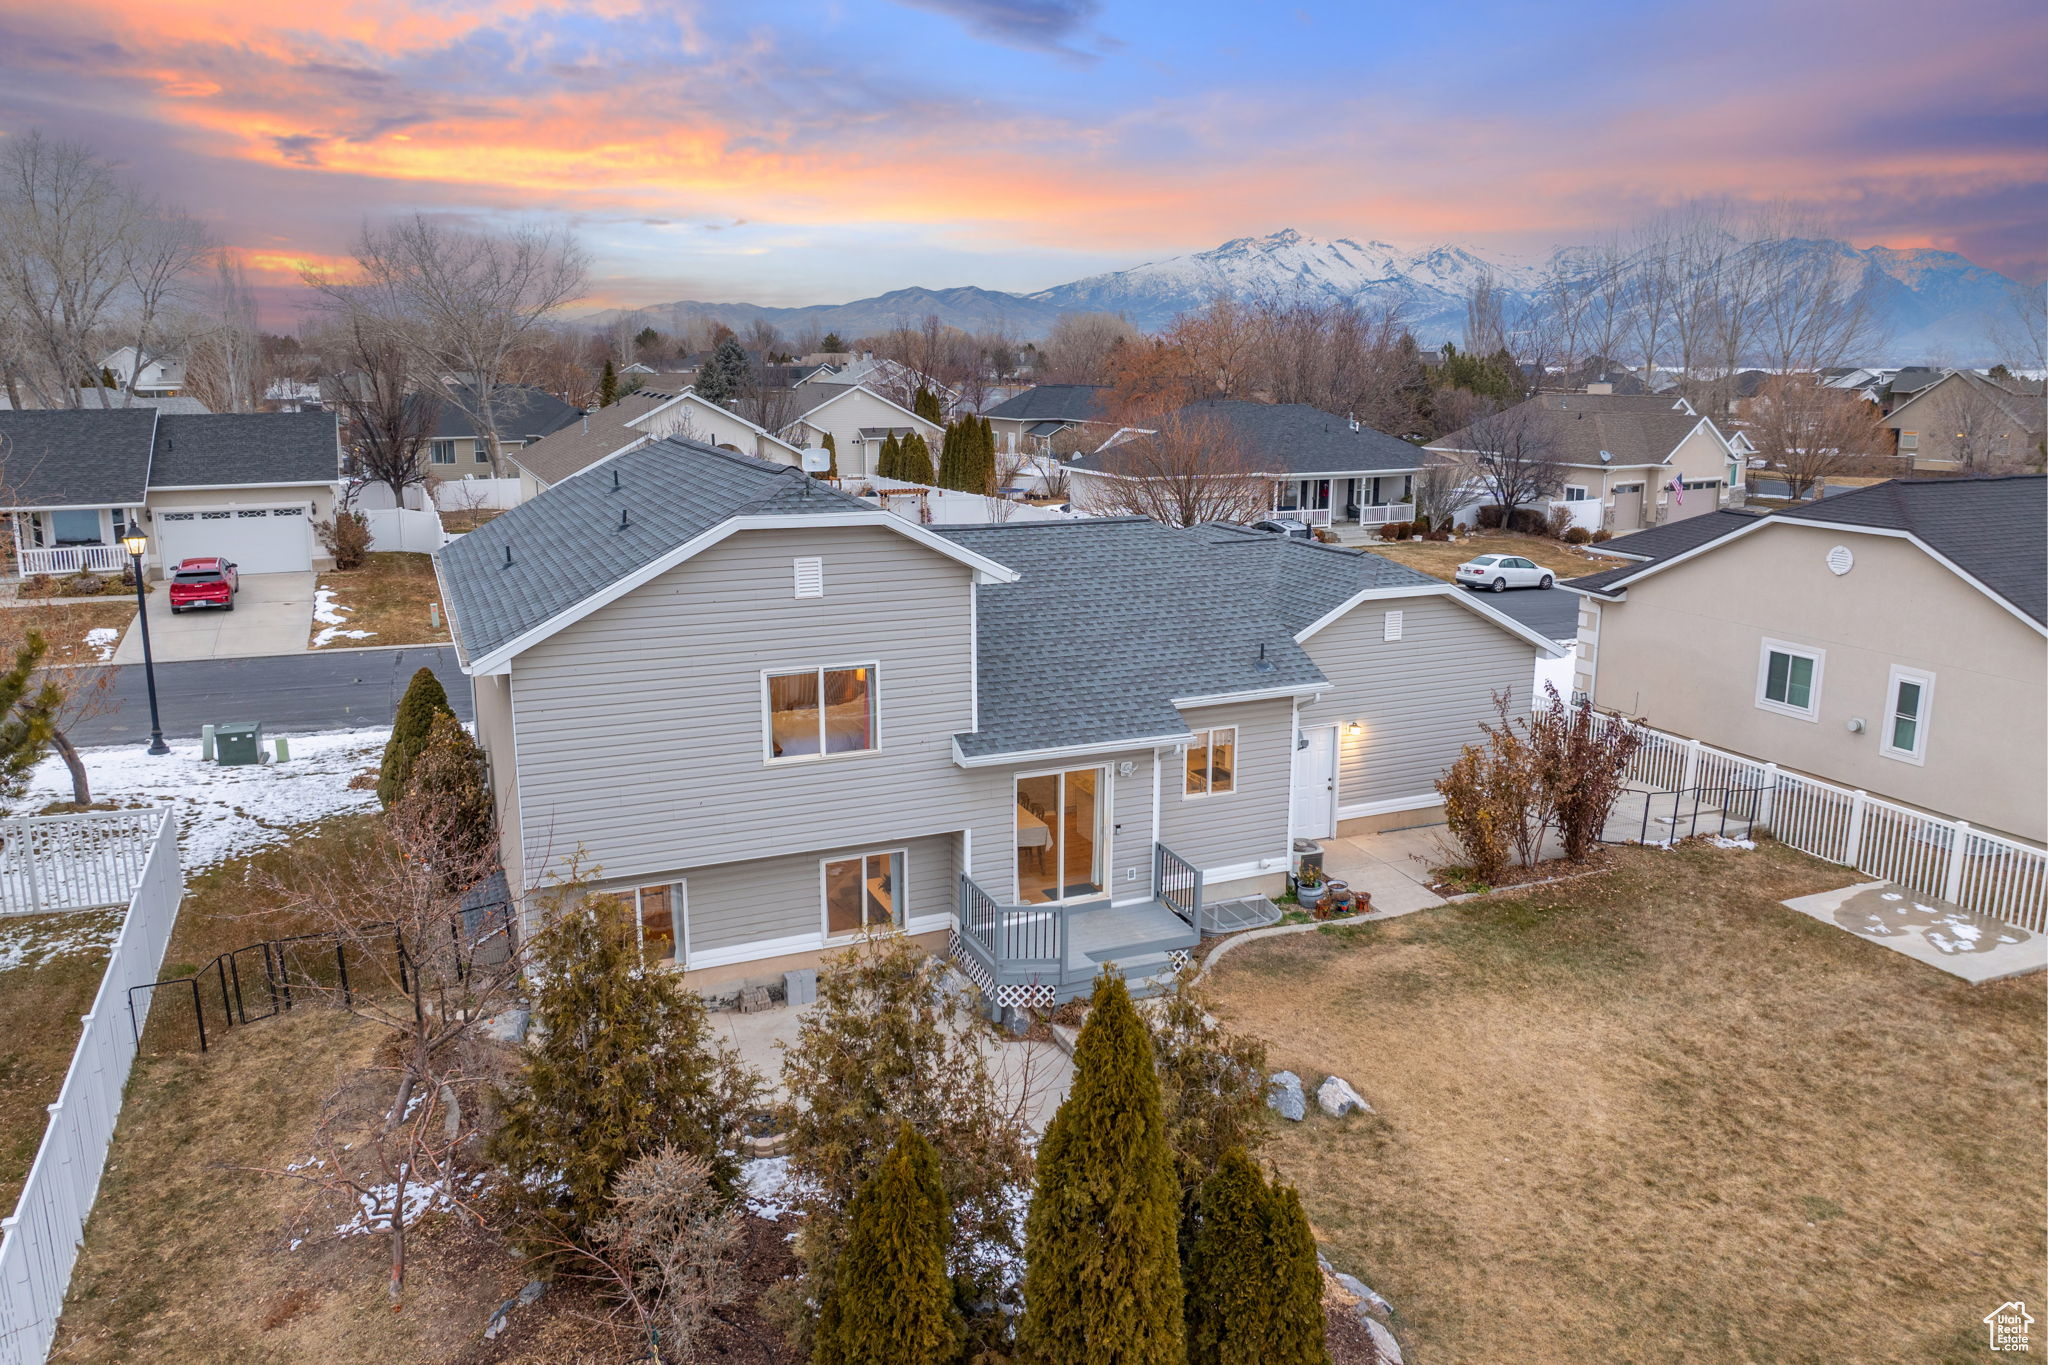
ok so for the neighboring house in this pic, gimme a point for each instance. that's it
(1324, 468)
(1889, 639)
(246, 486)
(1643, 459)
(859, 420)
(891, 378)
(1967, 422)
(181, 404)
(157, 376)
(632, 422)
(769, 714)
(1035, 421)
(524, 414)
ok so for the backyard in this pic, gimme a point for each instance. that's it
(391, 600)
(1652, 1115)
(1441, 558)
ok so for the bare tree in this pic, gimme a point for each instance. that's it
(1513, 458)
(2019, 328)
(224, 358)
(1485, 317)
(370, 378)
(1192, 468)
(472, 298)
(166, 249)
(1440, 488)
(1079, 348)
(1809, 314)
(1806, 431)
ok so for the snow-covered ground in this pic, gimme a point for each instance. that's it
(1558, 673)
(39, 940)
(225, 812)
(332, 616)
(102, 641)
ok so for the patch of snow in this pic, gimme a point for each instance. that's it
(332, 616)
(329, 634)
(39, 940)
(374, 1208)
(1556, 672)
(102, 640)
(1720, 841)
(224, 812)
(766, 1183)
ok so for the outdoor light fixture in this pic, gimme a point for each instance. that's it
(1355, 728)
(135, 543)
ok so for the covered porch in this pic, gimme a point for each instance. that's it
(1356, 499)
(67, 540)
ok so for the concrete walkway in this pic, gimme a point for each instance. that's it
(273, 615)
(1392, 867)
(1930, 930)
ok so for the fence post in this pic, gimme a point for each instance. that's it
(1852, 846)
(1952, 885)
(1767, 800)
(1689, 777)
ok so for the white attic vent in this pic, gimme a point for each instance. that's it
(1840, 560)
(810, 576)
(1393, 631)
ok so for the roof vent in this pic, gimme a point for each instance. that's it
(615, 478)
(508, 554)
(1264, 665)
(625, 520)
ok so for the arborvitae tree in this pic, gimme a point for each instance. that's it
(926, 404)
(608, 386)
(1102, 1264)
(889, 464)
(832, 449)
(623, 1060)
(450, 776)
(424, 699)
(1254, 1292)
(899, 1309)
(27, 715)
(953, 457)
(1212, 1085)
(916, 458)
(985, 447)
(832, 345)
(724, 375)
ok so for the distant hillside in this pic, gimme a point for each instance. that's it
(1928, 305)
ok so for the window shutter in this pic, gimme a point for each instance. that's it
(810, 576)
(1393, 625)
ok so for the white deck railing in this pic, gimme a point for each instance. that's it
(39, 1243)
(73, 862)
(1987, 874)
(72, 559)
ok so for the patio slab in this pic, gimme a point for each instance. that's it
(1927, 929)
(1392, 867)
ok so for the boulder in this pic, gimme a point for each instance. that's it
(1359, 1290)
(1283, 1093)
(509, 1027)
(1336, 1098)
(1382, 1340)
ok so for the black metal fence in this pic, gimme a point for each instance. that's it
(1694, 811)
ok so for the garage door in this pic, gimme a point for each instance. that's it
(258, 539)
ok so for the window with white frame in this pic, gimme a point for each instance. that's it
(1212, 762)
(652, 921)
(820, 712)
(1574, 493)
(863, 893)
(441, 452)
(1905, 715)
(1788, 679)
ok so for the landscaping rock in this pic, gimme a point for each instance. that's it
(530, 1292)
(1382, 1340)
(509, 1027)
(1359, 1290)
(1283, 1093)
(1336, 1098)
(1066, 1037)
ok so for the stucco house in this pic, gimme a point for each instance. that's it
(247, 486)
(1971, 423)
(773, 715)
(1889, 639)
(1643, 459)
(635, 420)
(859, 420)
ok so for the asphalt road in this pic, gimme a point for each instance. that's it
(345, 689)
(1552, 611)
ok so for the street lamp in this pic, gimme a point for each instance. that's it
(134, 543)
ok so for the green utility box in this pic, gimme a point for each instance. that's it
(237, 743)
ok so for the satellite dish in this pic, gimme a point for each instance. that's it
(817, 460)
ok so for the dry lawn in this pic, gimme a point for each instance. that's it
(1441, 558)
(456, 522)
(1653, 1116)
(391, 594)
(58, 963)
(65, 626)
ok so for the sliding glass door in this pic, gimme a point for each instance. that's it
(1059, 836)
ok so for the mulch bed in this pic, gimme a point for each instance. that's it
(1551, 869)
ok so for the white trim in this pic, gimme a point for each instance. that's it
(214, 487)
(1207, 738)
(826, 938)
(1264, 694)
(874, 680)
(1766, 648)
(1389, 806)
(1234, 872)
(986, 570)
(1105, 789)
(758, 949)
(1058, 752)
(1917, 755)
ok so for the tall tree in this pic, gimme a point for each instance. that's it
(899, 1309)
(832, 449)
(1513, 457)
(1254, 1290)
(1191, 468)
(608, 385)
(369, 376)
(424, 699)
(926, 404)
(1806, 431)
(832, 345)
(916, 460)
(725, 373)
(1102, 1276)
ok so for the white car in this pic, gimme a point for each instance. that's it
(1501, 572)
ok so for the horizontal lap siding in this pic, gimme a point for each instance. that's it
(493, 703)
(1421, 698)
(640, 727)
(1250, 823)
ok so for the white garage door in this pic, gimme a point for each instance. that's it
(257, 539)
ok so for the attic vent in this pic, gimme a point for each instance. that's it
(810, 576)
(1393, 631)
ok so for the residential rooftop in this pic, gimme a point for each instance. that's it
(1581, 428)
(1056, 402)
(1291, 438)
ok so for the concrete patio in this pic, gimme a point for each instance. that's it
(1930, 930)
(1392, 867)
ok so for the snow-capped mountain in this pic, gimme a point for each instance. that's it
(1927, 305)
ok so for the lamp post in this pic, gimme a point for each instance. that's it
(134, 543)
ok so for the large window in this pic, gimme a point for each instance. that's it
(1788, 680)
(863, 893)
(75, 527)
(1059, 835)
(651, 922)
(441, 452)
(1212, 762)
(1905, 715)
(819, 712)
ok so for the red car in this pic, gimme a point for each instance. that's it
(203, 583)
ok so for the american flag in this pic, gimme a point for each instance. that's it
(1678, 491)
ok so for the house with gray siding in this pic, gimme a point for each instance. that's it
(772, 717)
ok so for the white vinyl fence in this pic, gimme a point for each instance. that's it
(476, 495)
(39, 1243)
(401, 528)
(73, 862)
(1987, 874)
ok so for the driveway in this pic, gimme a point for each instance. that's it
(273, 615)
(1552, 612)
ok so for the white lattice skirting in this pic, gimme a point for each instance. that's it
(1030, 995)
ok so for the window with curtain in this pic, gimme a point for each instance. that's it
(1212, 762)
(820, 712)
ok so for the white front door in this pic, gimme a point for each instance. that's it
(1315, 783)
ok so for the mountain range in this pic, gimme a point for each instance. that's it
(1928, 305)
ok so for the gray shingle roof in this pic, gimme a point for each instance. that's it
(1110, 620)
(1059, 402)
(1294, 438)
(75, 457)
(1662, 542)
(1993, 527)
(1635, 430)
(221, 449)
(567, 544)
(520, 410)
(588, 439)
